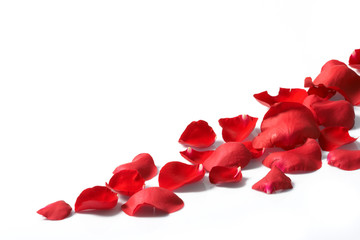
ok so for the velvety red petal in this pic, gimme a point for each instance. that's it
(198, 134)
(285, 95)
(219, 174)
(196, 157)
(334, 137)
(354, 60)
(230, 154)
(96, 198)
(275, 180)
(321, 91)
(126, 182)
(143, 163)
(256, 153)
(286, 125)
(177, 174)
(157, 197)
(344, 159)
(237, 128)
(302, 159)
(56, 211)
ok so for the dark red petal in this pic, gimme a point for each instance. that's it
(321, 91)
(334, 137)
(230, 154)
(143, 163)
(305, 158)
(275, 180)
(237, 128)
(219, 174)
(96, 198)
(56, 211)
(177, 174)
(196, 157)
(198, 134)
(286, 125)
(126, 182)
(160, 198)
(354, 60)
(344, 159)
(256, 153)
(285, 95)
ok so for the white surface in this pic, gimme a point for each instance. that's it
(87, 85)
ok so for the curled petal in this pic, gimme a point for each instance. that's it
(196, 157)
(126, 182)
(157, 197)
(275, 180)
(198, 134)
(354, 60)
(256, 153)
(177, 174)
(321, 91)
(219, 174)
(230, 154)
(285, 95)
(96, 198)
(305, 158)
(334, 137)
(344, 159)
(143, 163)
(56, 211)
(237, 128)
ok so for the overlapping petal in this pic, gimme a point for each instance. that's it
(285, 95)
(273, 181)
(96, 198)
(255, 153)
(126, 182)
(56, 210)
(220, 174)
(237, 128)
(194, 156)
(334, 137)
(344, 159)
(354, 59)
(198, 134)
(319, 90)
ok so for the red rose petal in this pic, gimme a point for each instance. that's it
(126, 182)
(237, 128)
(305, 158)
(196, 157)
(285, 95)
(177, 174)
(286, 125)
(198, 134)
(160, 198)
(219, 174)
(275, 180)
(256, 153)
(321, 91)
(56, 211)
(344, 159)
(354, 60)
(96, 198)
(143, 163)
(230, 154)
(334, 137)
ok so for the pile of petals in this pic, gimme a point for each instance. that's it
(298, 127)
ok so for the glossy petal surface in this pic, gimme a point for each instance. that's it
(285, 95)
(194, 156)
(275, 180)
(198, 134)
(237, 128)
(354, 60)
(344, 159)
(96, 198)
(56, 211)
(221, 174)
(126, 182)
(334, 137)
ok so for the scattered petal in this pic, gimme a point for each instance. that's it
(96, 198)
(354, 60)
(198, 134)
(237, 128)
(196, 157)
(285, 95)
(321, 91)
(220, 174)
(334, 137)
(56, 211)
(126, 182)
(344, 159)
(275, 180)
(256, 153)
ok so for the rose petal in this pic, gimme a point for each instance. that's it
(160, 198)
(334, 137)
(220, 174)
(231, 154)
(196, 157)
(285, 95)
(321, 91)
(237, 128)
(275, 180)
(56, 211)
(286, 125)
(126, 182)
(256, 153)
(354, 60)
(305, 158)
(177, 174)
(198, 134)
(344, 159)
(143, 163)
(96, 198)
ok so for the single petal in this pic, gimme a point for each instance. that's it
(157, 197)
(126, 182)
(96, 198)
(285, 95)
(56, 211)
(237, 128)
(230, 154)
(256, 153)
(196, 157)
(220, 174)
(321, 91)
(177, 174)
(344, 159)
(273, 181)
(334, 137)
(286, 125)
(304, 158)
(198, 134)
(354, 60)
(143, 163)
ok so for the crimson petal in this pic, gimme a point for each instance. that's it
(256, 153)
(344, 159)
(126, 182)
(56, 211)
(320, 90)
(354, 60)
(334, 137)
(160, 198)
(237, 128)
(275, 180)
(196, 157)
(96, 198)
(198, 134)
(220, 174)
(285, 95)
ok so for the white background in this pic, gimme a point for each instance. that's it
(87, 85)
